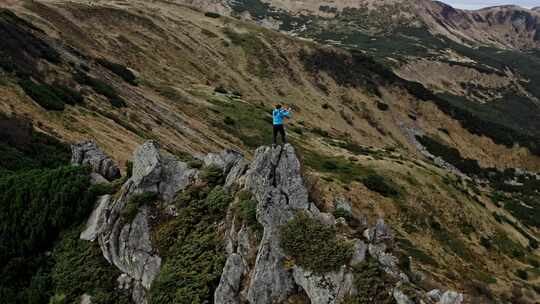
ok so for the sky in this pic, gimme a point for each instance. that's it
(476, 4)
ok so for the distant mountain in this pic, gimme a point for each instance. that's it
(508, 27)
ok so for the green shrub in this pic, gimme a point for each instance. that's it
(79, 267)
(119, 70)
(129, 168)
(37, 204)
(221, 89)
(378, 183)
(340, 212)
(212, 15)
(247, 210)
(43, 94)
(382, 106)
(192, 250)
(522, 274)
(212, 174)
(229, 121)
(101, 88)
(135, 203)
(301, 238)
(196, 164)
(67, 94)
(58, 299)
(372, 284)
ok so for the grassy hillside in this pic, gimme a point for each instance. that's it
(201, 82)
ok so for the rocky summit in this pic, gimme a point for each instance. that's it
(137, 164)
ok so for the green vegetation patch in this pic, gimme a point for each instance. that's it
(79, 267)
(251, 124)
(259, 54)
(101, 88)
(372, 283)
(135, 203)
(192, 250)
(381, 185)
(301, 238)
(119, 70)
(43, 94)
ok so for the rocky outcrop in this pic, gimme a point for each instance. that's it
(126, 243)
(88, 153)
(274, 178)
(451, 297)
(95, 221)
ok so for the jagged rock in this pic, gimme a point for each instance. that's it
(434, 295)
(342, 203)
(236, 173)
(231, 278)
(138, 293)
(96, 178)
(359, 252)
(95, 221)
(88, 153)
(175, 176)
(379, 234)
(86, 299)
(451, 297)
(328, 288)
(146, 167)
(224, 160)
(163, 174)
(400, 297)
(275, 180)
(124, 282)
(388, 261)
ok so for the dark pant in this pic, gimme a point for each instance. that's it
(281, 130)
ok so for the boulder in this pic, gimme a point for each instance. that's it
(434, 295)
(343, 204)
(88, 153)
(147, 167)
(328, 288)
(175, 176)
(359, 252)
(451, 297)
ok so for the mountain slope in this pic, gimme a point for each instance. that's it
(199, 82)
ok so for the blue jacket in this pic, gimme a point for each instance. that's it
(279, 114)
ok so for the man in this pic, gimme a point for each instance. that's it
(278, 115)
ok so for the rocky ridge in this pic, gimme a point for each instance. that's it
(254, 272)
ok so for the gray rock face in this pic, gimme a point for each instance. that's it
(275, 180)
(88, 153)
(434, 295)
(162, 174)
(225, 160)
(342, 203)
(381, 233)
(328, 288)
(95, 221)
(231, 279)
(451, 297)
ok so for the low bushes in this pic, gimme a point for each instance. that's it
(192, 250)
(212, 174)
(79, 267)
(101, 88)
(301, 238)
(135, 202)
(119, 70)
(372, 284)
(212, 15)
(43, 94)
(379, 184)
